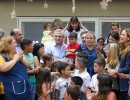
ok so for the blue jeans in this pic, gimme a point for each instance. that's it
(32, 91)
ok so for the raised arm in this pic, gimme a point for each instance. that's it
(66, 27)
(83, 27)
(6, 66)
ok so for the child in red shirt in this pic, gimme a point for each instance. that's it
(72, 47)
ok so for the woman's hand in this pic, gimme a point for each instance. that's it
(19, 55)
(125, 76)
(99, 48)
(112, 72)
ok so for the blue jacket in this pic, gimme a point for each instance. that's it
(124, 68)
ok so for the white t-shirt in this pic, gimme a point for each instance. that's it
(61, 85)
(85, 77)
(94, 82)
(79, 40)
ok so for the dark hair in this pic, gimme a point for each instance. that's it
(25, 42)
(74, 19)
(1, 33)
(36, 48)
(45, 25)
(77, 80)
(12, 32)
(115, 35)
(63, 67)
(55, 65)
(100, 62)
(47, 57)
(73, 91)
(82, 61)
(44, 75)
(101, 39)
(105, 86)
(73, 35)
(82, 54)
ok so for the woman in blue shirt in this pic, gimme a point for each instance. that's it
(124, 63)
(13, 71)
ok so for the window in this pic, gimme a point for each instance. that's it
(32, 27)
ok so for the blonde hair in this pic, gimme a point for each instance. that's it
(59, 22)
(4, 46)
(115, 24)
(126, 46)
(113, 58)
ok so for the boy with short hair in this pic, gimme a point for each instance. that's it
(76, 80)
(99, 65)
(80, 64)
(72, 93)
(27, 48)
(72, 47)
(63, 82)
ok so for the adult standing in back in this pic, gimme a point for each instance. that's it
(18, 36)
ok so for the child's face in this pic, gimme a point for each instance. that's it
(111, 39)
(51, 61)
(56, 26)
(72, 41)
(100, 42)
(41, 51)
(72, 83)
(77, 65)
(66, 72)
(74, 25)
(29, 48)
(67, 96)
(97, 68)
(49, 27)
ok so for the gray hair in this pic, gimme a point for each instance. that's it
(58, 31)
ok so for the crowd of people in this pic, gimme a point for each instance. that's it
(67, 64)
